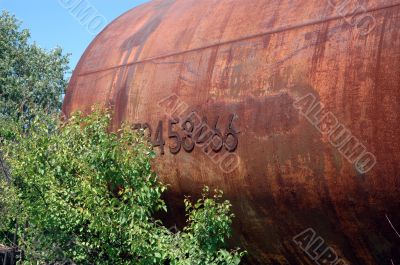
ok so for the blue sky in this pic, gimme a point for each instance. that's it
(62, 22)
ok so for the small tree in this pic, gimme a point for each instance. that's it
(89, 196)
(30, 77)
(31, 80)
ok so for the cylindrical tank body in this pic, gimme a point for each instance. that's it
(302, 98)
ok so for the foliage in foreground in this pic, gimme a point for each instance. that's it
(89, 196)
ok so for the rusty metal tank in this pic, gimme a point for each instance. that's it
(291, 107)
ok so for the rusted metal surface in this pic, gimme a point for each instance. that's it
(255, 59)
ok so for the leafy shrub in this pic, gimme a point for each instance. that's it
(88, 196)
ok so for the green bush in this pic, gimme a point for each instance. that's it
(88, 196)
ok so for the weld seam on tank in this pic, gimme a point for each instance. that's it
(279, 30)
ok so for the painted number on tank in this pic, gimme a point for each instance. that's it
(191, 132)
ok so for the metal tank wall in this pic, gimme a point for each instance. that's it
(280, 84)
